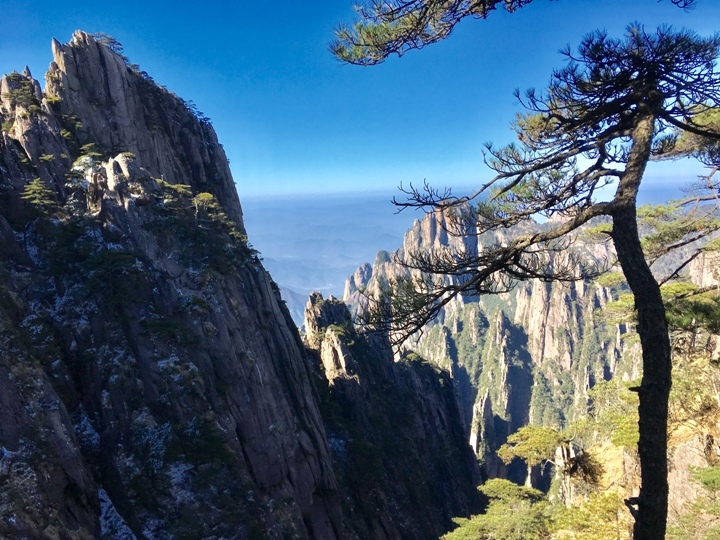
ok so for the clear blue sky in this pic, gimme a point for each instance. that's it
(294, 120)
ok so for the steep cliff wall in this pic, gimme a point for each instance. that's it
(527, 356)
(122, 110)
(162, 380)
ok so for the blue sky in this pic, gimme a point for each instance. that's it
(294, 120)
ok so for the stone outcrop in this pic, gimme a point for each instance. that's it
(152, 383)
(122, 110)
(705, 270)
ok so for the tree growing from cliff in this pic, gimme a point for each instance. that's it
(598, 124)
(40, 197)
(393, 27)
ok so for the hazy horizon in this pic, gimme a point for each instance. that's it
(314, 242)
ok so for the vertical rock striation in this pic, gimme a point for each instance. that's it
(123, 110)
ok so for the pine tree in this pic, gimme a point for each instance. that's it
(388, 27)
(40, 197)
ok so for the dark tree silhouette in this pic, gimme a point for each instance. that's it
(617, 104)
(387, 27)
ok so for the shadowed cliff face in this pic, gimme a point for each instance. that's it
(396, 440)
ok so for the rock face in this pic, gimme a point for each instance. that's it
(152, 384)
(156, 341)
(120, 110)
(386, 421)
(527, 356)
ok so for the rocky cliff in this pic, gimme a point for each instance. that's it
(386, 421)
(527, 356)
(152, 384)
(533, 355)
(160, 383)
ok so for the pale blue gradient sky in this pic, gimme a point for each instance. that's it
(294, 120)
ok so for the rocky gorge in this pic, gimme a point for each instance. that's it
(525, 356)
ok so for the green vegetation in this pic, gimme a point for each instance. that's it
(22, 93)
(609, 432)
(602, 516)
(544, 403)
(534, 445)
(611, 279)
(708, 478)
(394, 27)
(691, 308)
(540, 446)
(209, 239)
(701, 519)
(514, 513)
(612, 414)
(40, 197)
(89, 150)
(111, 43)
(598, 511)
(70, 127)
(695, 400)
(611, 428)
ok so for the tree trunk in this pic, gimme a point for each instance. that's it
(651, 514)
